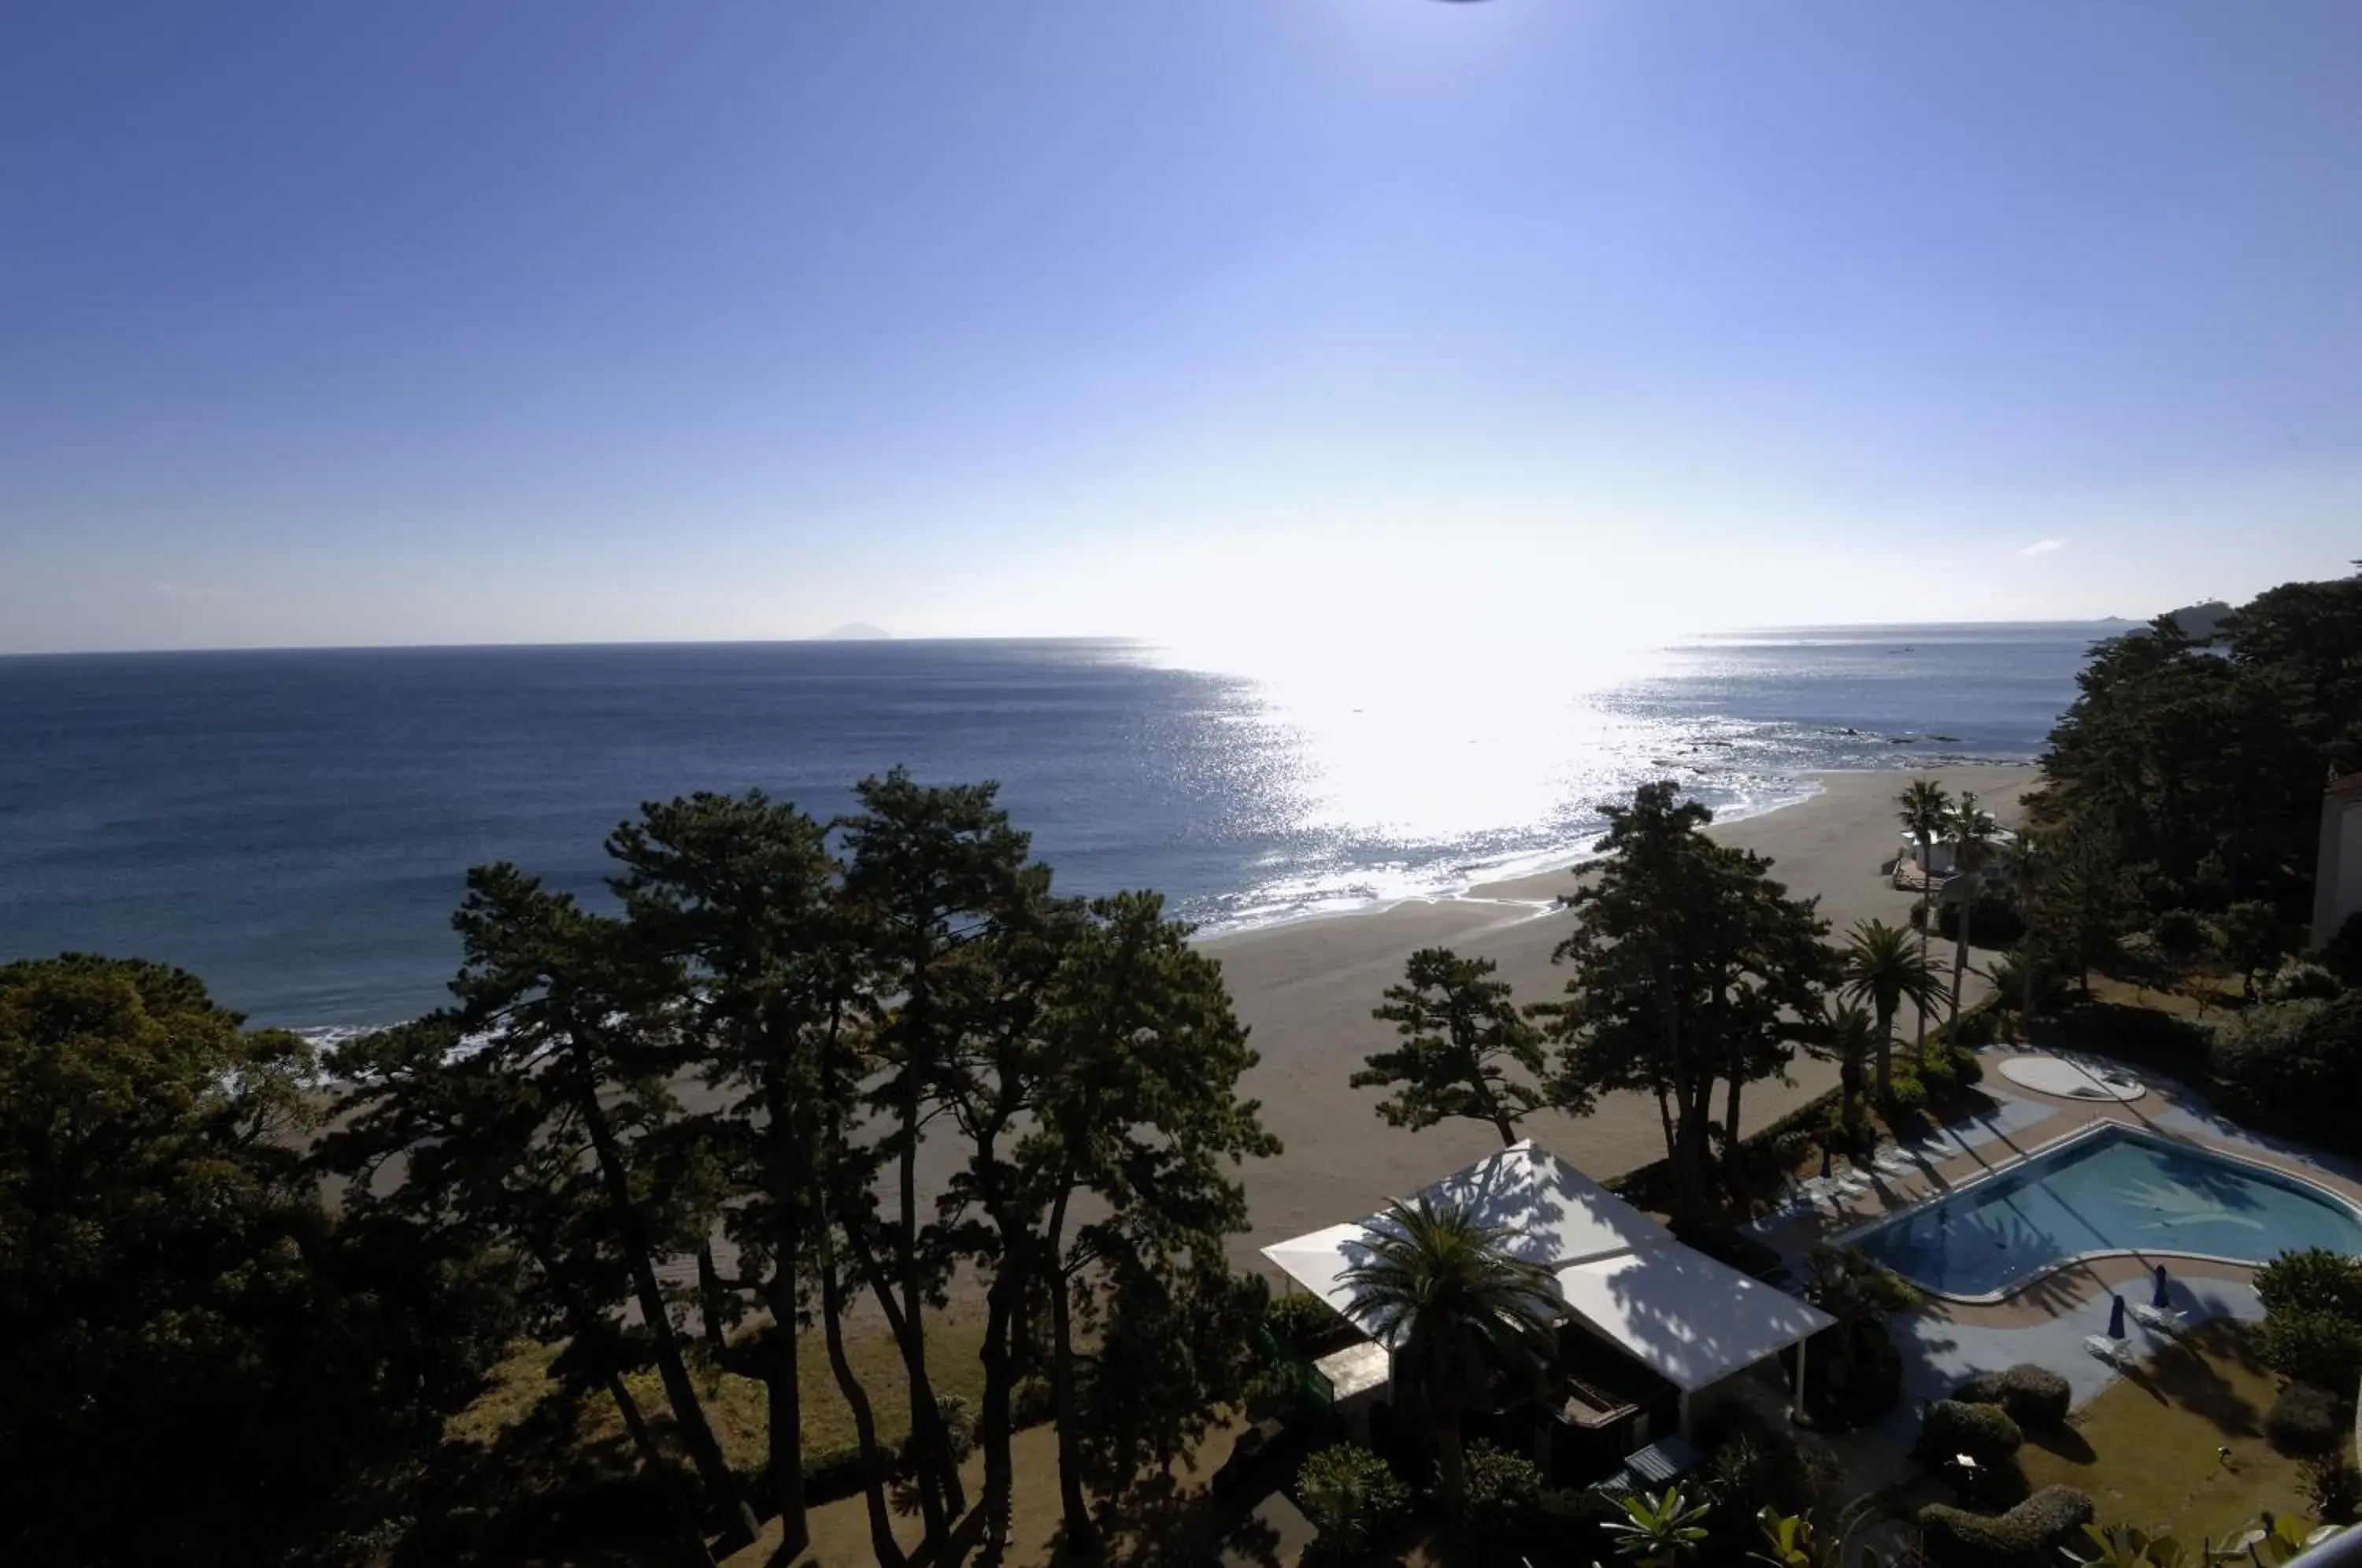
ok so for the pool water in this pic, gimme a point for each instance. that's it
(2116, 1190)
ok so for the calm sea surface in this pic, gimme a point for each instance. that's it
(294, 826)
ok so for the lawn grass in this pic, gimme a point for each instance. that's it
(736, 1405)
(2145, 1448)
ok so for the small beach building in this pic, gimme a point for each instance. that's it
(1654, 1331)
(1940, 861)
(2337, 871)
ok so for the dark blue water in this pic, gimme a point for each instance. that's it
(2115, 1191)
(294, 825)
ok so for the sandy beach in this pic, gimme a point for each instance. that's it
(1307, 989)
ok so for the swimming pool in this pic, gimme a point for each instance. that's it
(2112, 1190)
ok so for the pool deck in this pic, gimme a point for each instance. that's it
(2025, 1121)
(2046, 1319)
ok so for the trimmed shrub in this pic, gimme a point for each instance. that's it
(2140, 1035)
(2305, 1420)
(2343, 954)
(1505, 1492)
(2314, 1347)
(1031, 1401)
(1996, 922)
(1351, 1497)
(1984, 1432)
(1906, 1096)
(2311, 1280)
(1728, 1244)
(2333, 1487)
(2028, 1536)
(2033, 1395)
(2300, 980)
(2297, 1065)
(832, 1473)
(1305, 1322)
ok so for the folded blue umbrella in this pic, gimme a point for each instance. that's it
(2157, 1296)
(2116, 1317)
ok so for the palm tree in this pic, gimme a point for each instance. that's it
(2021, 857)
(1880, 968)
(1461, 1314)
(1970, 835)
(1658, 1532)
(1790, 1542)
(1925, 805)
(1847, 1028)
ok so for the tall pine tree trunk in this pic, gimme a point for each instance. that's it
(1927, 915)
(930, 1440)
(1733, 1174)
(993, 1415)
(1082, 1532)
(710, 1295)
(1885, 1056)
(1961, 954)
(713, 1471)
(882, 1544)
(784, 1395)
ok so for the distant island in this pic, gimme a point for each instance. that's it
(857, 631)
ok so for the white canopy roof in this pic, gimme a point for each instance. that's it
(1691, 1319)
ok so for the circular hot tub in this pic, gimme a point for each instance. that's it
(2070, 1079)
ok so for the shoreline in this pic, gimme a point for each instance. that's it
(1304, 989)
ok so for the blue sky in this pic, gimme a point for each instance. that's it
(1292, 320)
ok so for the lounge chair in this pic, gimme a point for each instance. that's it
(1894, 1162)
(2164, 1319)
(1853, 1183)
(1816, 1190)
(2115, 1353)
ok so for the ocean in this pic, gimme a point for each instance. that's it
(294, 825)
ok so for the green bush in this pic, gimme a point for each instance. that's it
(1351, 1496)
(1031, 1401)
(1505, 1492)
(2299, 979)
(1728, 1244)
(2314, 1347)
(2297, 1065)
(1305, 1322)
(2137, 1034)
(2028, 1536)
(1753, 1464)
(2311, 1280)
(1996, 922)
(2343, 954)
(2333, 1487)
(2305, 1420)
(2033, 1395)
(1984, 1432)
(1906, 1096)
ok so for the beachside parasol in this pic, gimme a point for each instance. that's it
(2116, 1317)
(2157, 1296)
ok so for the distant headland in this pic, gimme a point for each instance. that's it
(855, 632)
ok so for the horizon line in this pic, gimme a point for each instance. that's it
(824, 638)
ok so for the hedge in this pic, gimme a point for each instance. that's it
(1307, 1324)
(1984, 1432)
(2034, 1395)
(2311, 1279)
(2028, 1536)
(2306, 1420)
(1351, 1496)
(2314, 1347)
